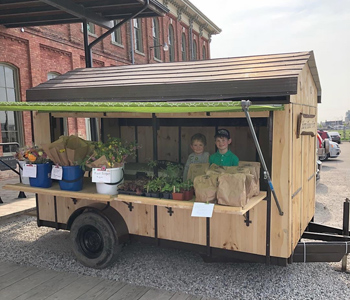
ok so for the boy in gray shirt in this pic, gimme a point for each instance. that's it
(198, 142)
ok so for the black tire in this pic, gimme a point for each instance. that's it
(94, 240)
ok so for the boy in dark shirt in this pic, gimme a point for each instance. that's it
(224, 156)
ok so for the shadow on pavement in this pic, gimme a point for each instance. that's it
(321, 188)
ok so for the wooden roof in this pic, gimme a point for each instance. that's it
(265, 78)
(22, 13)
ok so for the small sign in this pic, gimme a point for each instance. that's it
(56, 172)
(101, 175)
(204, 210)
(306, 125)
(29, 170)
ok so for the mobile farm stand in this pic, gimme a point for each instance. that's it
(161, 106)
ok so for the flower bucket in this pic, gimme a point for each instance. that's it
(117, 176)
(25, 180)
(72, 178)
(43, 176)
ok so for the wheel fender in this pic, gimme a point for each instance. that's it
(113, 217)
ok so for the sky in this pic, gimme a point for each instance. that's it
(254, 27)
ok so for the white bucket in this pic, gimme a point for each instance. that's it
(112, 187)
(25, 180)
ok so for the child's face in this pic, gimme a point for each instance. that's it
(222, 143)
(197, 147)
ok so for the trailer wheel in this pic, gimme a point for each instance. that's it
(94, 240)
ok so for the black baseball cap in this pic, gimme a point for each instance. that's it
(222, 133)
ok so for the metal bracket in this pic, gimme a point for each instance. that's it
(74, 200)
(129, 204)
(246, 218)
(170, 210)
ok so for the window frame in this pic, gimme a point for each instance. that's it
(204, 52)
(17, 116)
(171, 42)
(194, 49)
(156, 39)
(138, 39)
(183, 47)
(116, 36)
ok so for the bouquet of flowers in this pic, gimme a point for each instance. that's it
(34, 155)
(22, 154)
(112, 154)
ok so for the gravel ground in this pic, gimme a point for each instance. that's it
(23, 242)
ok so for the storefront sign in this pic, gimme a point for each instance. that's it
(306, 125)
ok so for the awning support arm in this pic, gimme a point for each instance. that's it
(245, 107)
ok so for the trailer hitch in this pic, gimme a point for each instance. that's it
(245, 107)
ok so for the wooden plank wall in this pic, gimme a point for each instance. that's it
(303, 180)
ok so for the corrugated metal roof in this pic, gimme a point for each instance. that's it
(22, 13)
(263, 77)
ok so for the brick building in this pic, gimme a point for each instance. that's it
(31, 55)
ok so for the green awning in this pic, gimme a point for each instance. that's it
(134, 107)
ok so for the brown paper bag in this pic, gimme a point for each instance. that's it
(216, 168)
(232, 189)
(205, 187)
(254, 168)
(197, 170)
(237, 169)
(51, 154)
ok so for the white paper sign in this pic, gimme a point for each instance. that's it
(203, 210)
(101, 175)
(29, 170)
(56, 172)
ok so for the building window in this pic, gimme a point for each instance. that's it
(138, 35)
(156, 39)
(171, 43)
(91, 27)
(52, 75)
(183, 47)
(10, 121)
(117, 34)
(204, 53)
(194, 50)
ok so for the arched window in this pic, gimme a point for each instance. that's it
(194, 50)
(183, 47)
(204, 53)
(171, 43)
(11, 122)
(156, 39)
(52, 75)
(138, 35)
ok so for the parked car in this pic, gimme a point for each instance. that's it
(335, 136)
(334, 151)
(321, 148)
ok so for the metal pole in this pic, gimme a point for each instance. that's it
(346, 207)
(245, 106)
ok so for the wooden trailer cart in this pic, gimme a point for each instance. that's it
(161, 106)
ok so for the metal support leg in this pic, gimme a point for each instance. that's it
(345, 230)
(245, 106)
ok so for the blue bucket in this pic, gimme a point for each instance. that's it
(43, 176)
(72, 178)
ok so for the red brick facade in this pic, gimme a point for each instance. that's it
(35, 51)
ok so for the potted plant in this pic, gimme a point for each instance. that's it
(167, 189)
(22, 158)
(153, 187)
(178, 191)
(111, 157)
(188, 189)
(38, 157)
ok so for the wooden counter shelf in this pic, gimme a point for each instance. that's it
(89, 193)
